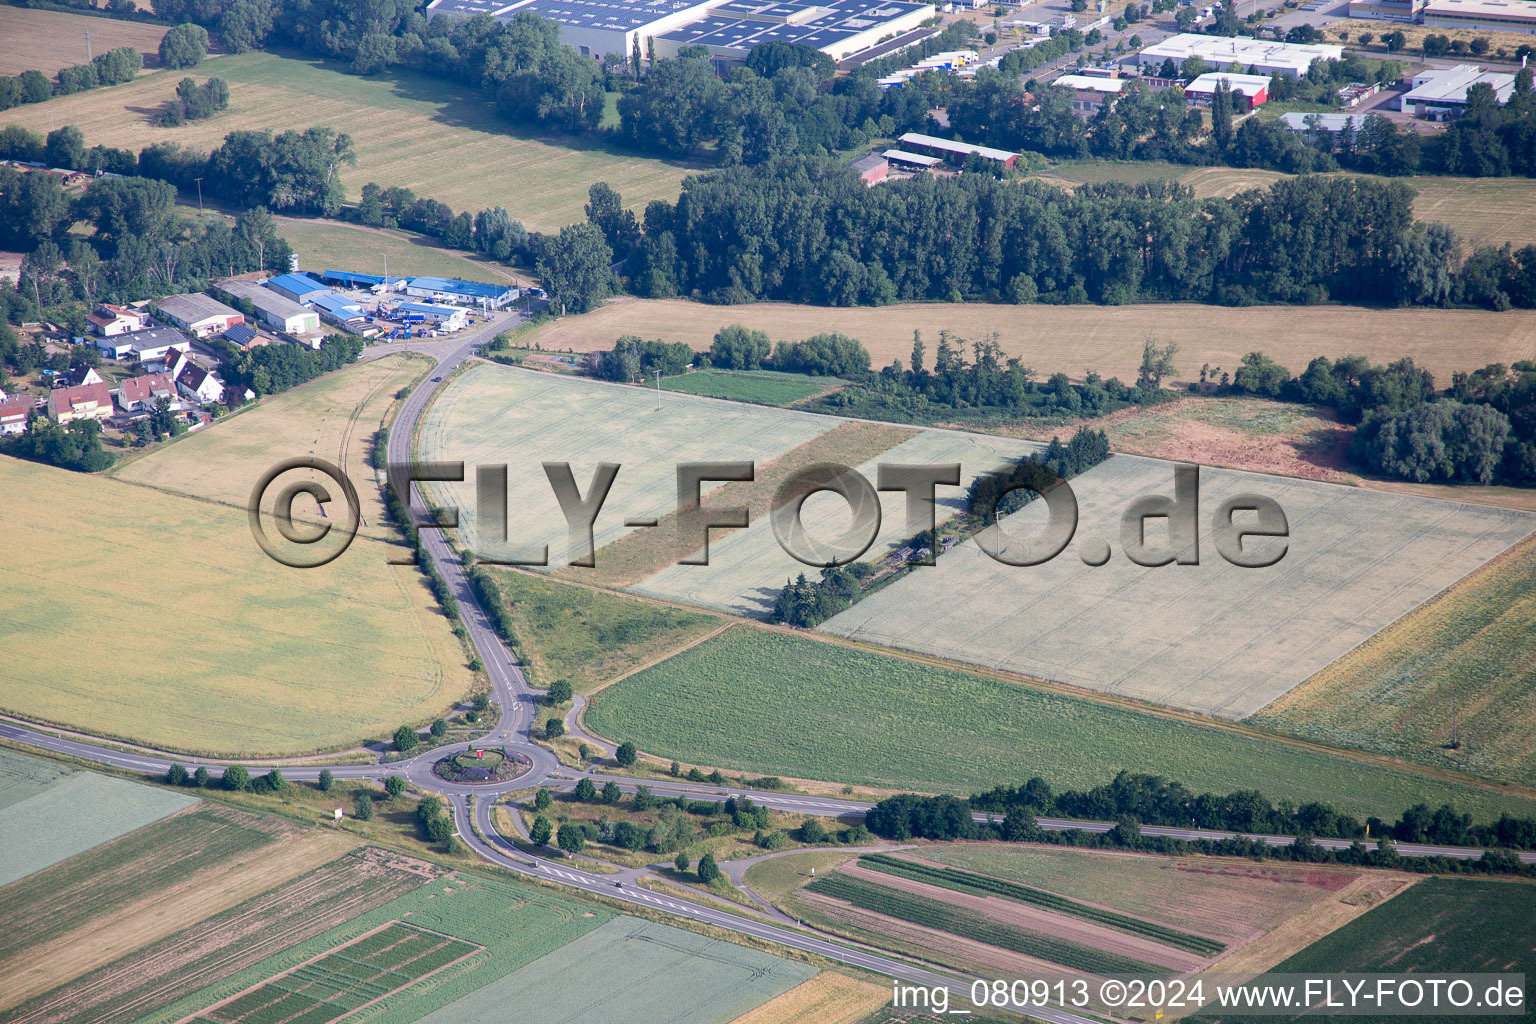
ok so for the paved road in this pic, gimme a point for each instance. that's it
(471, 805)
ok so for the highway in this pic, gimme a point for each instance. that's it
(471, 804)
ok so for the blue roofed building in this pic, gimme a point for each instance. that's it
(449, 318)
(339, 310)
(461, 293)
(296, 287)
(373, 282)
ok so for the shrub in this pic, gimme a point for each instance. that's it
(362, 807)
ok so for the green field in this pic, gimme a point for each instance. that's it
(152, 859)
(1463, 666)
(329, 245)
(631, 970)
(440, 139)
(72, 814)
(1440, 925)
(928, 913)
(763, 387)
(860, 717)
(588, 637)
(22, 777)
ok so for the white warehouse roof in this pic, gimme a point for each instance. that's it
(1246, 85)
(1093, 83)
(1294, 58)
(1449, 87)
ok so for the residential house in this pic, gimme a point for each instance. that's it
(14, 412)
(152, 345)
(87, 401)
(109, 321)
(77, 375)
(199, 385)
(139, 394)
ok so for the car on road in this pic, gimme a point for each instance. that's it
(436, 380)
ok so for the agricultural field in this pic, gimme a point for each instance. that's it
(49, 40)
(499, 415)
(1440, 925)
(1459, 670)
(748, 567)
(590, 636)
(635, 970)
(332, 245)
(409, 130)
(1262, 912)
(761, 387)
(1213, 638)
(335, 418)
(231, 948)
(1033, 941)
(70, 813)
(828, 998)
(856, 716)
(267, 659)
(1071, 339)
(23, 777)
(102, 904)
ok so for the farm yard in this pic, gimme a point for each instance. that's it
(1451, 685)
(761, 387)
(494, 415)
(1214, 638)
(409, 130)
(857, 716)
(588, 637)
(1070, 339)
(69, 813)
(748, 567)
(253, 638)
(46, 41)
(335, 418)
(635, 970)
(104, 903)
(1440, 925)
(229, 948)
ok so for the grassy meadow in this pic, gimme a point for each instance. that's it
(333, 245)
(1070, 339)
(423, 133)
(848, 715)
(590, 636)
(182, 634)
(762, 387)
(1462, 666)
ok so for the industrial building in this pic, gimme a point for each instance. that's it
(200, 315)
(464, 293)
(1386, 10)
(872, 169)
(273, 309)
(1090, 92)
(1238, 53)
(1487, 15)
(298, 287)
(914, 161)
(728, 28)
(339, 310)
(954, 152)
(1440, 94)
(1314, 125)
(1248, 91)
(447, 318)
(369, 282)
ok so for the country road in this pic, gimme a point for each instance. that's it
(471, 804)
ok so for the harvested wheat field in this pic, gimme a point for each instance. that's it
(269, 659)
(49, 40)
(440, 140)
(828, 998)
(335, 418)
(1107, 339)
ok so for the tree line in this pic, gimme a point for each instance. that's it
(1481, 429)
(118, 65)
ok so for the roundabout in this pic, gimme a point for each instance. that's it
(482, 766)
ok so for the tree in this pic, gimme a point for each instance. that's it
(439, 828)
(571, 838)
(177, 776)
(184, 46)
(559, 692)
(812, 831)
(605, 211)
(554, 728)
(394, 786)
(362, 806)
(272, 782)
(611, 793)
(200, 777)
(708, 869)
(327, 780)
(65, 147)
(586, 792)
(406, 738)
(540, 831)
(1156, 363)
(575, 268)
(236, 778)
(438, 729)
(1394, 40)
(680, 862)
(542, 799)
(625, 755)
(739, 348)
(1260, 375)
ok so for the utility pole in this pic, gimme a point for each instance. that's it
(199, 198)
